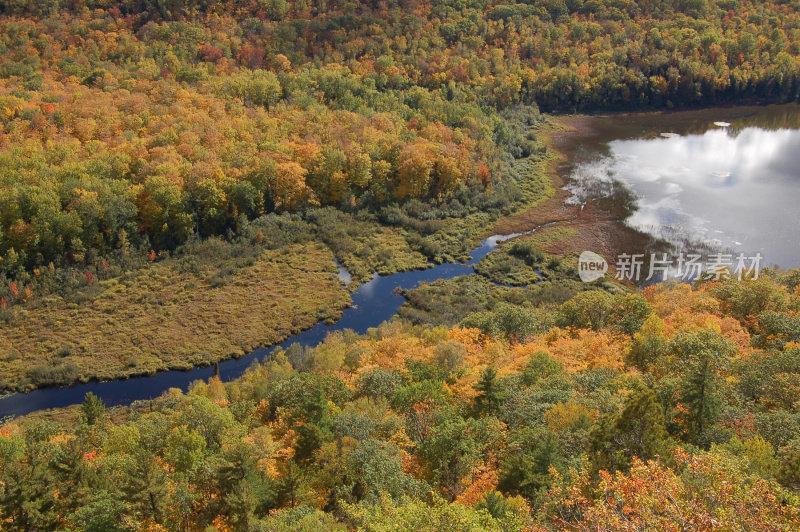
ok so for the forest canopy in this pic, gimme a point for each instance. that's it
(687, 414)
(149, 122)
(168, 166)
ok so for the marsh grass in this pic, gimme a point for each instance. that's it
(520, 262)
(448, 301)
(165, 317)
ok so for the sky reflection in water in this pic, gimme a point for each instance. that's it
(738, 189)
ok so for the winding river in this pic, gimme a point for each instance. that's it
(372, 303)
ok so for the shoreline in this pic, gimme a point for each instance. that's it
(597, 226)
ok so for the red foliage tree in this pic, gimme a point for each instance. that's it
(252, 58)
(210, 54)
(484, 175)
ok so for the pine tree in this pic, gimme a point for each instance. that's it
(489, 398)
(701, 357)
(92, 410)
(637, 431)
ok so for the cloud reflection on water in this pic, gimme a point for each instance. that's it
(739, 189)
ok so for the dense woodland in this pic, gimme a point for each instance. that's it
(170, 163)
(672, 409)
(148, 123)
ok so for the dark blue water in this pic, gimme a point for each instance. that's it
(373, 303)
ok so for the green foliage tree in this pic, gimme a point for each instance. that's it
(789, 464)
(490, 394)
(649, 344)
(376, 470)
(591, 309)
(292, 486)
(27, 500)
(454, 448)
(540, 366)
(637, 431)
(700, 357)
(92, 409)
(525, 468)
(379, 383)
(507, 321)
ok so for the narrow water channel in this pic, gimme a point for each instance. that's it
(372, 303)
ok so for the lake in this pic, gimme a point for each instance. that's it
(724, 178)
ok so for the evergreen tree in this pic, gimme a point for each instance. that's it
(292, 485)
(700, 358)
(636, 431)
(525, 470)
(92, 410)
(489, 397)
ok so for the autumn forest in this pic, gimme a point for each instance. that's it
(181, 181)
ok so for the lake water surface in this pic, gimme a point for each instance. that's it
(729, 178)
